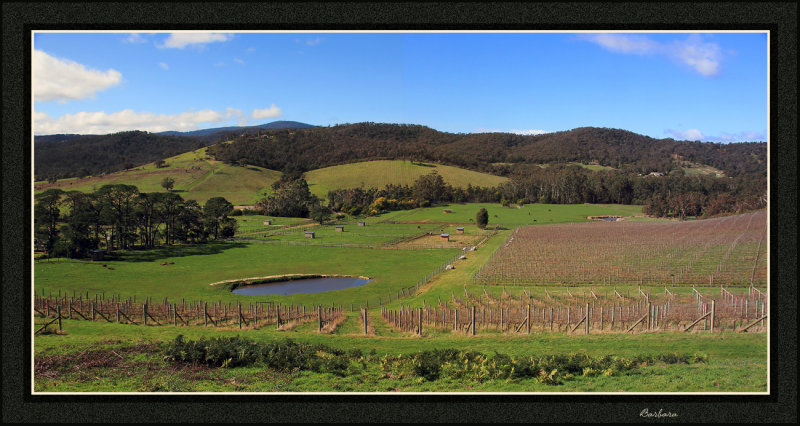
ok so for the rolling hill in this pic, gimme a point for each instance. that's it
(496, 153)
(197, 177)
(64, 156)
(379, 173)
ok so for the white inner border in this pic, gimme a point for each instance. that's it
(769, 248)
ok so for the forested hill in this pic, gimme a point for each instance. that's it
(70, 155)
(92, 155)
(311, 148)
(308, 149)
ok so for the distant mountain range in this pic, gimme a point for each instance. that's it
(192, 133)
(268, 126)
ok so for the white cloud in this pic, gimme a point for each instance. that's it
(705, 58)
(238, 61)
(514, 131)
(135, 38)
(101, 122)
(270, 112)
(622, 43)
(241, 118)
(181, 40)
(313, 42)
(163, 65)
(529, 132)
(686, 135)
(697, 135)
(62, 80)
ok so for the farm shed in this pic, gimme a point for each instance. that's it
(340, 229)
(309, 234)
(447, 211)
(362, 223)
(267, 222)
(98, 254)
(444, 237)
(460, 230)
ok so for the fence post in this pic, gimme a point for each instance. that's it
(59, 317)
(472, 320)
(144, 313)
(319, 317)
(713, 312)
(419, 318)
(366, 325)
(587, 318)
(205, 313)
(528, 321)
(601, 318)
(239, 313)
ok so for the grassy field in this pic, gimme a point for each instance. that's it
(372, 234)
(141, 273)
(120, 358)
(196, 178)
(112, 357)
(528, 214)
(377, 174)
(694, 169)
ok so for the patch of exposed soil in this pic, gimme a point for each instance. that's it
(53, 366)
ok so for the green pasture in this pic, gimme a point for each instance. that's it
(528, 214)
(196, 178)
(248, 224)
(592, 167)
(379, 173)
(694, 169)
(141, 273)
(351, 233)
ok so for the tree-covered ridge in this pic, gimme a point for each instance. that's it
(308, 149)
(317, 147)
(93, 155)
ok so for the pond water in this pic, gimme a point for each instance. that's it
(307, 285)
(613, 219)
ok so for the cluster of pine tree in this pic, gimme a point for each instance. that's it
(71, 224)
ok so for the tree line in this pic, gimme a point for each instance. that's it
(72, 223)
(677, 195)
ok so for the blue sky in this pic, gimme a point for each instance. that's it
(695, 86)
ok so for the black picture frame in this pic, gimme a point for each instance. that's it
(18, 19)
